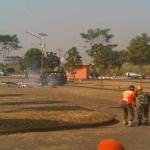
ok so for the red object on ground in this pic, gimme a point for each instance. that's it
(110, 144)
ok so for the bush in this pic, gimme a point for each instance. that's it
(10, 70)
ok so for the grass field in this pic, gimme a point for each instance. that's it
(39, 108)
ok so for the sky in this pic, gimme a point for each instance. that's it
(64, 20)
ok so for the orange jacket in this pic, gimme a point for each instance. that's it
(129, 97)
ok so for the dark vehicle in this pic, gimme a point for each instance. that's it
(44, 79)
(57, 79)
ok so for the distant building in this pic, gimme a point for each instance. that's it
(77, 72)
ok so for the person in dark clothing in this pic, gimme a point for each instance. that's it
(143, 104)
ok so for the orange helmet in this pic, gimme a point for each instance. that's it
(139, 87)
(110, 144)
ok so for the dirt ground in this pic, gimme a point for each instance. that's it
(94, 95)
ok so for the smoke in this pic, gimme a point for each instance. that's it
(33, 77)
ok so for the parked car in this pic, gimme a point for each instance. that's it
(3, 72)
(134, 75)
(57, 78)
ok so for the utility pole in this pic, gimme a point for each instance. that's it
(59, 55)
(42, 44)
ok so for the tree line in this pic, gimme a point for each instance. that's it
(103, 53)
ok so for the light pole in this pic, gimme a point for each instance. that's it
(41, 35)
(42, 44)
(59, 55)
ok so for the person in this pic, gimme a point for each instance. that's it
(110, 144)
(143, 103)
(128, 103)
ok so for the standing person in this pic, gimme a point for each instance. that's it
(143, 104)
(128, 102)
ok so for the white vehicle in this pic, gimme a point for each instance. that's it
(134, 75)
(2, 72)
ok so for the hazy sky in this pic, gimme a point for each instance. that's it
(64, 20)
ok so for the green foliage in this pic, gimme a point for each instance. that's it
(10, 70)
(101, 50)
(73, 60)
(97, 36)
(73, 57)
(22, 64)
(2, 65)
(8, 43)
(118, 58)
(51, 61)
(105, 58)
(101, 55)
(33, 58)
(135, 68)
(139, 50)
(93, 71)
(115, 59)
(123, 56)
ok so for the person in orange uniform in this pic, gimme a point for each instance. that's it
(110, 144)
(128, 103)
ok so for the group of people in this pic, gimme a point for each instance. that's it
(132, 100)
(135, 100)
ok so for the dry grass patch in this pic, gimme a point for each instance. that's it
(27, 121)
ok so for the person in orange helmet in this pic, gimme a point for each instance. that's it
(139, 87)
(110, 144)
(128, 102)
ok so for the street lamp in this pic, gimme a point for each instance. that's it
(41, 35)
(59, 55)
(42, 44)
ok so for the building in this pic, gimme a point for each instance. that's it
(77, 72)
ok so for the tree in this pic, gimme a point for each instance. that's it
(73, 57)
(90, 36)
(13, 59)
(73, 60)
(139, 50)
(33, 58)
(101, 48)
(9, 43)
(123, 56)
(51, 61)
(101, 56)
(22, 64)
(97, 36)
(119, 58)
(23, 67)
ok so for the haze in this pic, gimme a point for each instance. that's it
(64, 20)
